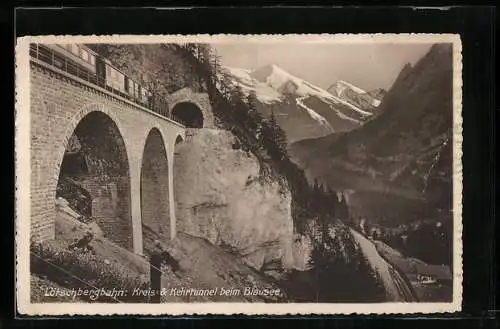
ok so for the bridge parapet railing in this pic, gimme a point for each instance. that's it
(154, 102)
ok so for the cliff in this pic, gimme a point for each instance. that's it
(221, 197)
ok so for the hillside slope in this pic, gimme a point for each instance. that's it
(406, 150)
(203, 266)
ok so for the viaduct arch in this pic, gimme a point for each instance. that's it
(155, 207)
(95, 164)
(64, 111)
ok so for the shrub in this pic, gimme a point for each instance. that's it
(338, 271)
(74, 269)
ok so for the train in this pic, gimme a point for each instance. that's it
(80, 60)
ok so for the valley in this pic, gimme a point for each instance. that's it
(402, 158)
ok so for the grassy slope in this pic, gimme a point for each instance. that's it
(39, 288)
(203, 265)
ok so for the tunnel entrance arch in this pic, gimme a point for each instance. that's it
(94, 178)
(189, 114)
(154, 191)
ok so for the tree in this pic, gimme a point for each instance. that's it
(332, 201)
(343, 212)
(254, 117)
(279, 137)
(331, 268)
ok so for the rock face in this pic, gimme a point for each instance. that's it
(405, 152)
(220, 197)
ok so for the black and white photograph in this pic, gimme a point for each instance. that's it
(226, 174)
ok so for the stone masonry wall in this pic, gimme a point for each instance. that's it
(110, 208)
(57, 104)
(201, 100)
(154, 190)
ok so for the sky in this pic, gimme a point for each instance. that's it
(368, 66)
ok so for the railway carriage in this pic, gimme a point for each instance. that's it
(83, 58)
(79, 60)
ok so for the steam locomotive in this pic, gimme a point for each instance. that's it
(80, 60)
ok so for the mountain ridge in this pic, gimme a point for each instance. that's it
(294, 100)
(405, 151)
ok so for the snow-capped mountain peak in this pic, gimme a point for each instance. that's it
(277, 78)
(341, 86)
(353, 94)
(282, 81)
(315, 107)
(244, 79)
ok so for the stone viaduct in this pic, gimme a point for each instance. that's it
(129, 173)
